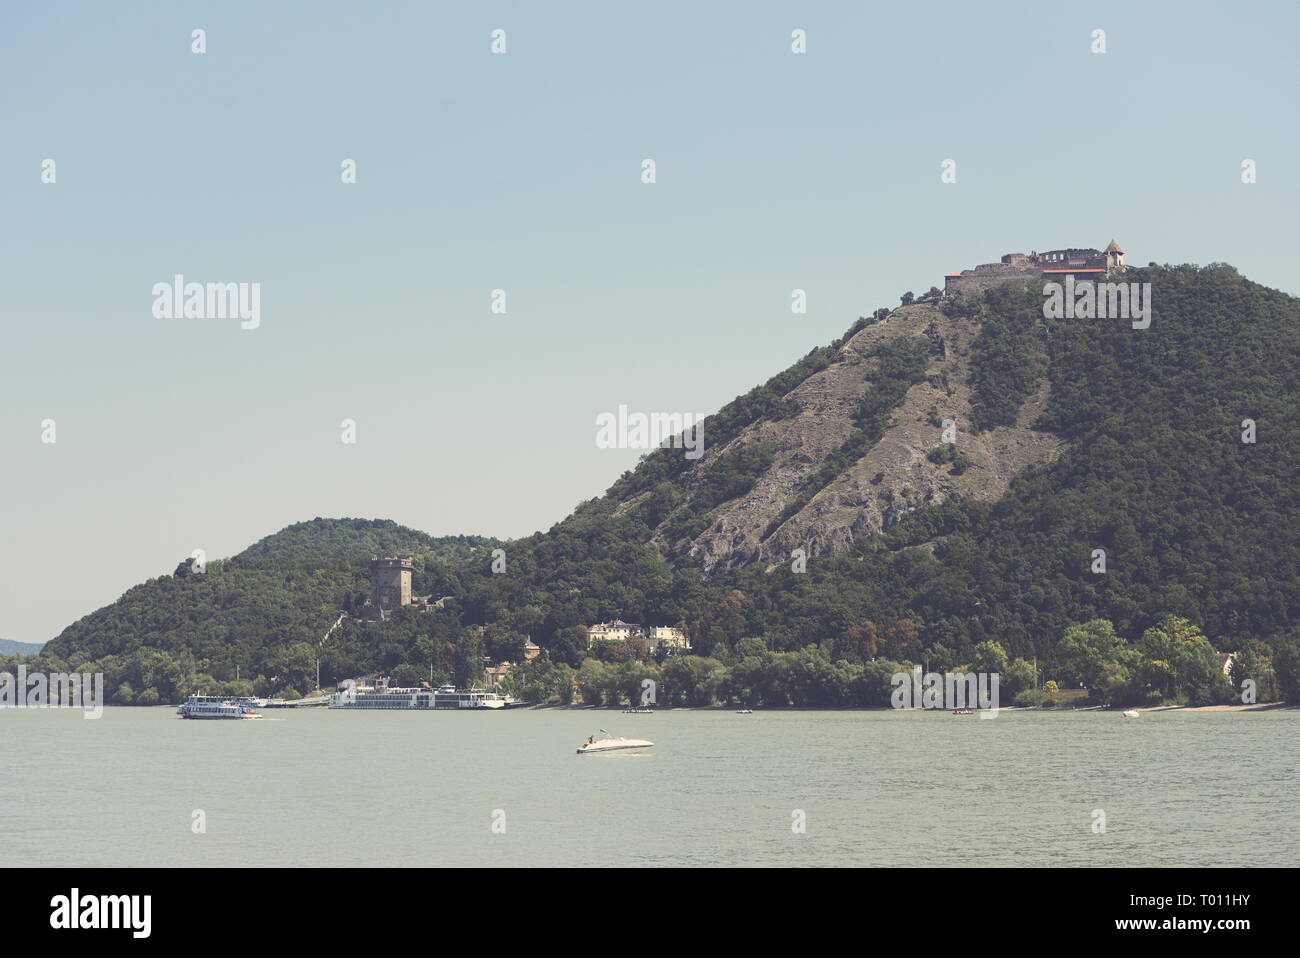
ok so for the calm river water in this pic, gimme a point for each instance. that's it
(336, 788)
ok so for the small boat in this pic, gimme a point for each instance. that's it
(638, 711)
(962, 712)
(594, 744)
(744, 711)
(1132, 713)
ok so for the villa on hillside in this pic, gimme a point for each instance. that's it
(656, 637)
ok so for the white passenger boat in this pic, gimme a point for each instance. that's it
(216, 707)
(594, 744)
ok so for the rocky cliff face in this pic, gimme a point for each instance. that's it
(894, 477)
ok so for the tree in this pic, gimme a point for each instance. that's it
(1084, 651)
(597, 682)
(1019, 677)
(408, 676)
(502, 643)
(990, 658)
(1254, 663)
(860, 643)
(1190, 664)
(1286, 662)
(569, 645)
(467, 661)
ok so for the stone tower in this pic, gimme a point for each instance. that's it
(1114, 256)
(390, 583)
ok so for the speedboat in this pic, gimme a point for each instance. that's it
(1132, 713)
(744, 711)
(612, 745)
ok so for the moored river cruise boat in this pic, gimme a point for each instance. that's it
(445, 698)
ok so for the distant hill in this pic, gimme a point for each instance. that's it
(243, 615)
(10, 647)
(353, 539)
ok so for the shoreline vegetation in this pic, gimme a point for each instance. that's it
(1173, 665)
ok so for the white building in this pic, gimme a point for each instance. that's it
(616, 631)
(671, 639)
(655, 637)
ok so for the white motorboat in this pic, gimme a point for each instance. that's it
(744, 711)
(1132, 713)
(594, 744)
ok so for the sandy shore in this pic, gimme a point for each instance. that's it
(1258, 707)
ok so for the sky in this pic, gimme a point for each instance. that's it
(522, 171)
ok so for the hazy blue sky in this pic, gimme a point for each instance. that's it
(521, 171)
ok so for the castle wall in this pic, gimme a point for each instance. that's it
(987, 276)
(1019, 266)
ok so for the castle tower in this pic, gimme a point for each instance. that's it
(390, 583)
(1114, 256)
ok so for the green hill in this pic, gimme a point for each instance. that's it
(252, 614)
(353, 539)
(1071, 436)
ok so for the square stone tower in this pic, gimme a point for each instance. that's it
(390, 583)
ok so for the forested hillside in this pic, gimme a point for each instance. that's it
(1151, 468)
(261, 613)
(1071, 436)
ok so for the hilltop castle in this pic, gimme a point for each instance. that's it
(1082, 264)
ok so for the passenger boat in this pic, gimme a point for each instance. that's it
(216, 707)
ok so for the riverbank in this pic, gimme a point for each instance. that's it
(1258, 707)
